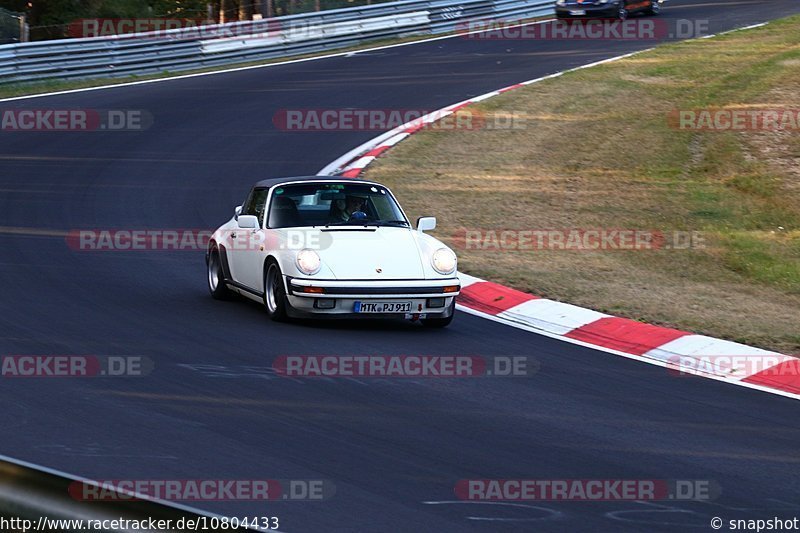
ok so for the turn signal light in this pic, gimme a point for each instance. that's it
(451, 288)
(314, 290)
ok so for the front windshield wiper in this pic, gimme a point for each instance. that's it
(366, 223)
(346, 223)
(401, 223)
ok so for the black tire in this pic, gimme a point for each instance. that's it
(216, 277)
(275, 301)
(654, 9)
(622, 12)
(440, 322)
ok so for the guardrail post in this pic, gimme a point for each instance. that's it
(266, 9)
(24, 30)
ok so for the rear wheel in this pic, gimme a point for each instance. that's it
(440, 322)
(622, 12)
(274, 292)
(216, 278)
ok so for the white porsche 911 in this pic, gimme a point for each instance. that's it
(330, 247)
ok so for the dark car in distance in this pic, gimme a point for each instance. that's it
(609, 9)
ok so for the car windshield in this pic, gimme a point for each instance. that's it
(333, 204)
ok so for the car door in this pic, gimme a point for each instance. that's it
(245, 246)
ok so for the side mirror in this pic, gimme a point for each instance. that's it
(248, 221)
(237, 211)
(426, 223)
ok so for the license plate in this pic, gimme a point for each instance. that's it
(382, 307)
(578, 12)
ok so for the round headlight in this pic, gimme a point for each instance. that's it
(308, 261)
(444, 261)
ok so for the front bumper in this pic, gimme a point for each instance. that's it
(428, 298)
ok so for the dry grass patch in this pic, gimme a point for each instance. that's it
(597, 151)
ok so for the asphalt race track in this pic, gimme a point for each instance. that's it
(211, 408)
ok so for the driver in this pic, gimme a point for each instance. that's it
(344, 209)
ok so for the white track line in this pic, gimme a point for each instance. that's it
(341, 162)
(640, 358)
(350, 53)
(351, 155)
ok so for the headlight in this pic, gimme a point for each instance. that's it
(561, 2)
(308, 261)
(444, 261)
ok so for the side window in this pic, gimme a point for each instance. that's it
(261, 204)
(256, 203)
(247, 202)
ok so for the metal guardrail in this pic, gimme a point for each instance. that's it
(42, 496)
(240, 42)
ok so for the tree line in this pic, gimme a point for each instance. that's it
(50, 19)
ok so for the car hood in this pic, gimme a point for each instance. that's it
(385, 253)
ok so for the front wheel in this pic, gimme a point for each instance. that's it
(440, 322)
(274, 292)
(216, 278)
(655, 7)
